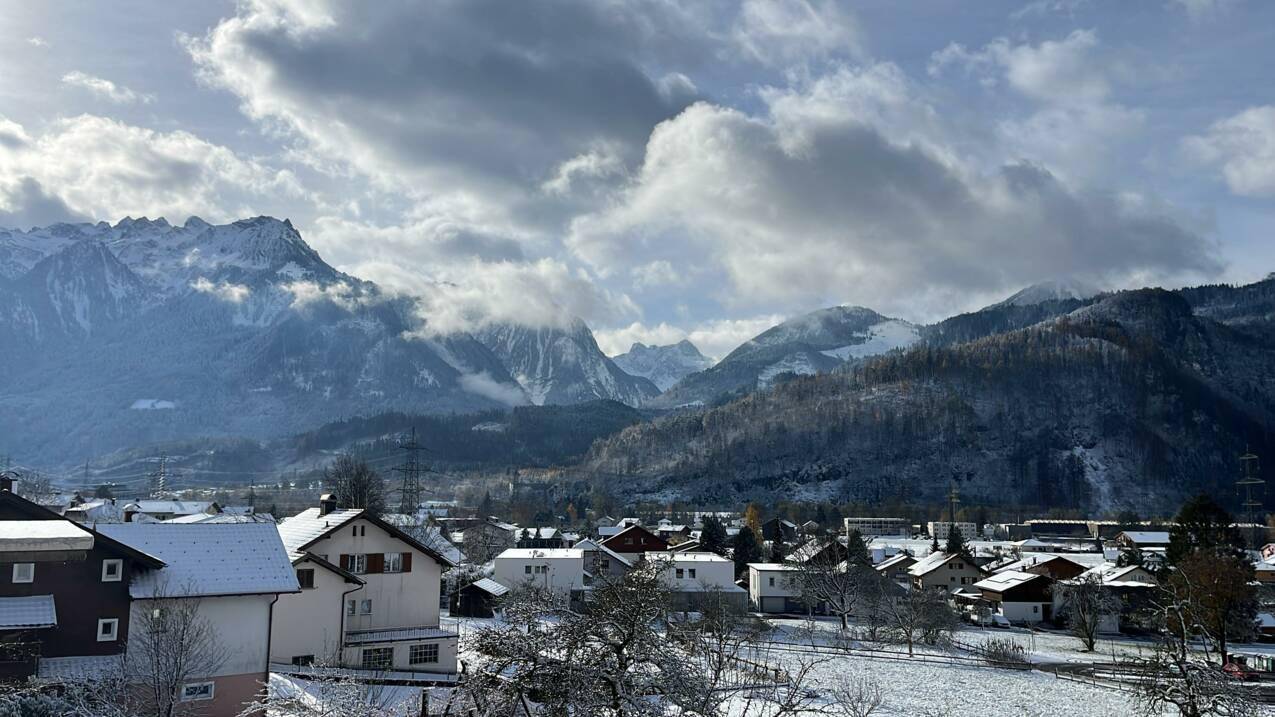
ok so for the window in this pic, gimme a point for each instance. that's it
(112, 570)
(378, 658)
(24, 572)
(358, 564)
(197, 691)
(303, 660)
(305, 578)
(526, 569)
(393, 563)
(628, 540)
(108, 629)
(1035, 608)
(604, 566)
(772, 582)
(350, 607)
(691, 572)
(422, 654)
(365, 607)
(679, 574)
(158, 622)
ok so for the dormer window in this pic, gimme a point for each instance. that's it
(112, 570)
(108, 629)
(24, 572)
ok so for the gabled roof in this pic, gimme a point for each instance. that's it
(930, 563)
(209, 560)
(39, 512)
(307, 527)
(895, 560)
(223, 518)
(349, 577)
(428, 535)
(176, 507)
(1147, 537)
(615, 539)
(43, 535)
(489, 586)
(1007, 580)
(1110, 573)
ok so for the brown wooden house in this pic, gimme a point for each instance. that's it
(64, 588)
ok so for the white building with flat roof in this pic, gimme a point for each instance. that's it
(940, 528)
(772, 588)
(557, 569)
(879, 527)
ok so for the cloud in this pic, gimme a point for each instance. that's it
(102, 168)
(834, 209)
(25, 204)
(714, 338)
(37, 41)
(1201, 10)
(224, 290)
(1242, 147)
(1074, 124)
(785, 32)
(118, 94)
(482, 384)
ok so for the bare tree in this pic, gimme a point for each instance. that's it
(919, 615)
(1179, 678)
(170, 645)
(836, 585)
(355, 484)
(37, 488)
(722, 635)
(854, 697)
(1085, 604)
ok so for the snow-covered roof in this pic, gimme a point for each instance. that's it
(771, 567)
(176, 507)
(1041, 559)
(223, 518)
(37, 535)
(929, 563)
(534, 553)
(1111, 574)
(687, 557)
(606, 531)
(431, 536)
(808, 550)
(208, 560)
(894, 560)
(1007, 580)
(371, 637)
(1147, 537)
(489, 586)
(27, 613)
(308, 526)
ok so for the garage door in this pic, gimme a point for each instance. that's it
(772, 604)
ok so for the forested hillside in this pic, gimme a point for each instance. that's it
(1130, 401)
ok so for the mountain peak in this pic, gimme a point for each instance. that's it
(1052, 290)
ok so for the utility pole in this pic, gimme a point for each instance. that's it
(159, 477)
(953, 499)
(411, 470)
(1250, 480)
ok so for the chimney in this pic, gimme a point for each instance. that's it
(327, 503)
(6, 482)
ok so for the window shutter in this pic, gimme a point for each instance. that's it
(345, 563)
(407, 562)
(376, 563)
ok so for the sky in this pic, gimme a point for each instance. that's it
(667, 170)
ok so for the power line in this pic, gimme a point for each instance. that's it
(410, 470)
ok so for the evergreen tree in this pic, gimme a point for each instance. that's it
(934, 543)
(746, 549)
(955, 543)
(857, 550)
(1202, 524)
(712, 535)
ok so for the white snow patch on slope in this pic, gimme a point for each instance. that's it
(798, 363)
(880, 338)
(152, 404)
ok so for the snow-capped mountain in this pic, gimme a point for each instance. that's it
(1056, 290)
(154, 332)
(663, 365)
(562, 364)
(812, 343)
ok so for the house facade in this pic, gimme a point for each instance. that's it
(560, 570)
(391, 621)
(634, 541)
(871, 527)
(950, 572)
(234, 573)
(64, 590)
(1019, 597)
(772, 588)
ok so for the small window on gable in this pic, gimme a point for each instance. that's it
(112, 570)
(24, 572)
(108, 629)
(691, 573)
(305, 578)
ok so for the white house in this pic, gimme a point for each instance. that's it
(950, 572)
(391, 621)
(689, 575)
(940, 528)
(772, 588)
(871, 527)
(237, 572)
(1018, 596)
(558, 569)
